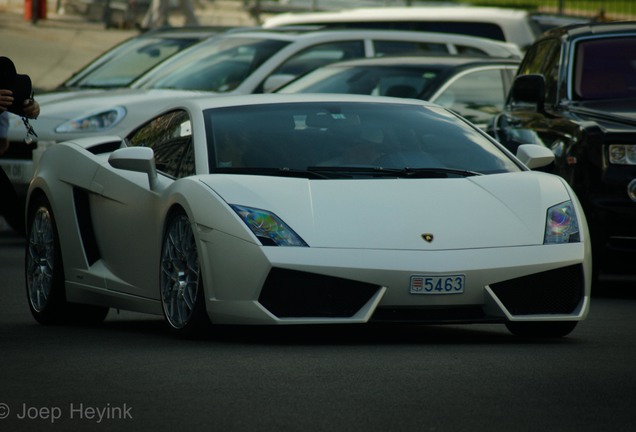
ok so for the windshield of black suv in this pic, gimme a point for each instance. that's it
(605, 68)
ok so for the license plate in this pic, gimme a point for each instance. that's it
(439, 284)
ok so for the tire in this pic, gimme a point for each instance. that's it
(182, 297)
(44, 273)
(541, 329)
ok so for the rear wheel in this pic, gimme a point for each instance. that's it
(44, 273)
(181, 284)
(543, 329)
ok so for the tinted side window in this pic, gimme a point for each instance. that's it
(170, 137)
(309, 59)
(477, 95)
(382, 48)
(480, 29)
(605, 68)
(320, 55)
(470, 51)
(543, 58)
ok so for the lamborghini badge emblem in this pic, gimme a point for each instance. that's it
(428, 237)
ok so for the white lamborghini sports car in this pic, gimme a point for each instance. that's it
(305, 209)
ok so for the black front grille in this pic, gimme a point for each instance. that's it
(556, 291)
(289, 293)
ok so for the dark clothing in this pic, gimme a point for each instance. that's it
(9, 203)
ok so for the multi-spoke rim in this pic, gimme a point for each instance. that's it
(179, 273)
(40, 259)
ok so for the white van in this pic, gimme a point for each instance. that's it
(508, 25)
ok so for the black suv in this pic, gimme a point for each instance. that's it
(575, 93)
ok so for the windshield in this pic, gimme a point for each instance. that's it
(342, 140)
(369, 80)
(218, 64)
(605, 68)
(127, 62)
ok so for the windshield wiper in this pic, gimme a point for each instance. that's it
(406, 172)
(331, 172)
(283, 172)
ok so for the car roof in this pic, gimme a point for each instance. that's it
(451, 61)
(459, 13)
(515, 23)
(316, 32)
(593, 28)
(185, 31)
(300, 35)
(208, 102)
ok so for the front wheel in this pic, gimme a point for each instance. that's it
(541, 329)
(44, 273)
(181, 284)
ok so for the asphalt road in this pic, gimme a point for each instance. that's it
(131, 374)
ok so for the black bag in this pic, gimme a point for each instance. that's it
(19, 84)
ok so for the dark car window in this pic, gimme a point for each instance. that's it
(170, 137)
(605, 68)
(129, 61)
(383, 48)
(480, 29)
(314, 57)
(543, 58)
(477, 95)
(470, 51)
(347, 137)
(379, 80)
(219, 64)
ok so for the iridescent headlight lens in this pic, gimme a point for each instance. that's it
(269, 228)
(622, 154)
(561, 224)
(93, 122)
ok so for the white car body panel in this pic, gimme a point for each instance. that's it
(368, 231)
(343, 214)
(513, 23)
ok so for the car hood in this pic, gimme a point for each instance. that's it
(67, 94)
(58, 108)
(477, 212)
(618, 111)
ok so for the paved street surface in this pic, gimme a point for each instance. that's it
(131, 375)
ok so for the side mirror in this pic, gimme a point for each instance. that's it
(534, 155)
(529, 89)
(138, 159)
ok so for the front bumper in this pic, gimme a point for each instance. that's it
(250, 284)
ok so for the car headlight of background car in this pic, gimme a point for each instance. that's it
(622, 154)
(268, 228)
(94, 122)
(561, 224)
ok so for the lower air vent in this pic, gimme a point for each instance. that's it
(295, 294)
(552, 292)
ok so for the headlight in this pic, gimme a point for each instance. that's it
(269, 228)
(622, 154)
(561, 225)
(94, 122)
